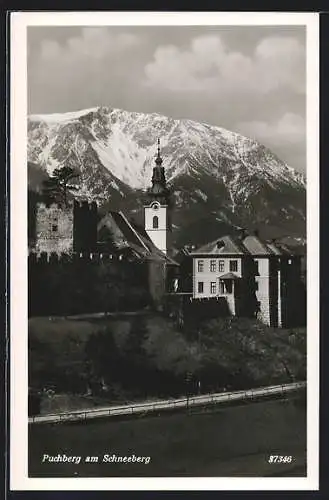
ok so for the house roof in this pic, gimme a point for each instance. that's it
(279, 248)
(225, 245)
(255, 246)
(248, 245)
(126, 234)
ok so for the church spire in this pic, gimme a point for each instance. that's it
(158, 159)
(158, 207)
(158, 177)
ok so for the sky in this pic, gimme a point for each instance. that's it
(248, 79)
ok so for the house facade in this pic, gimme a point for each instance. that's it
(250, 277)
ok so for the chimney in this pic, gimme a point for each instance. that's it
(242, 233)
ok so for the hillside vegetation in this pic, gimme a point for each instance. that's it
(146, 357)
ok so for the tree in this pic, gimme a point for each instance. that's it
(57, 186)
(103, 360)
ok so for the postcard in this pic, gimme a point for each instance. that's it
(164, 180)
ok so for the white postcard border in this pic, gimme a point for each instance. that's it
(19, 479)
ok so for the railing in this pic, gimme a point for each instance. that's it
(138, 408)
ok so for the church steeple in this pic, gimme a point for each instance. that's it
(157, 208)
(159, 188)
(158, 159)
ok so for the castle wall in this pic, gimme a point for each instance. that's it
(85, 283)
(65, 228)
(85, 226)
(157, 281)
(292, 293)
(54, 229)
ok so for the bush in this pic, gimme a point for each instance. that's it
(147, 357)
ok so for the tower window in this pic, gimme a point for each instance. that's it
(155, 222)
(54, 228)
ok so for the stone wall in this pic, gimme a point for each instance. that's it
(87, 283)
(54, 228)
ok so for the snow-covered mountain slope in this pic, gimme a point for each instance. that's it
(214, 173)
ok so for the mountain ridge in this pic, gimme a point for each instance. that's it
(212, 171)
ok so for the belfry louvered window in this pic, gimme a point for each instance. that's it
(155, 222)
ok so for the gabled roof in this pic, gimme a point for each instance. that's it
(248, 245)
(128, 235)
(255, 246)
(225, 245)
(279, 248)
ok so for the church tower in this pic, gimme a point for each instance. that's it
(157, 210)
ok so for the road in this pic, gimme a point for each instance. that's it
(169, 404)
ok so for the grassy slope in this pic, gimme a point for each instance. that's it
(231, 442)
(247, 354)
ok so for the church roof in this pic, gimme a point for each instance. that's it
(125, 235)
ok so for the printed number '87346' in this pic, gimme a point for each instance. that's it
(280, 459)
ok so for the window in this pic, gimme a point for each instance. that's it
(54, 228)
(221, 288)
(256, 264)
(200, 266)
(200, 286)
(213, 287)
(155, 222)
(212, 266)
(233, 266)
(221, 266)
(289, 261)
(228, 286)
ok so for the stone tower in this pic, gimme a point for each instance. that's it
(157, 209)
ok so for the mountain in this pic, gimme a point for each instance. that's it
(220, 180)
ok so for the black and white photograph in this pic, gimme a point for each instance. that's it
(164, 250)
